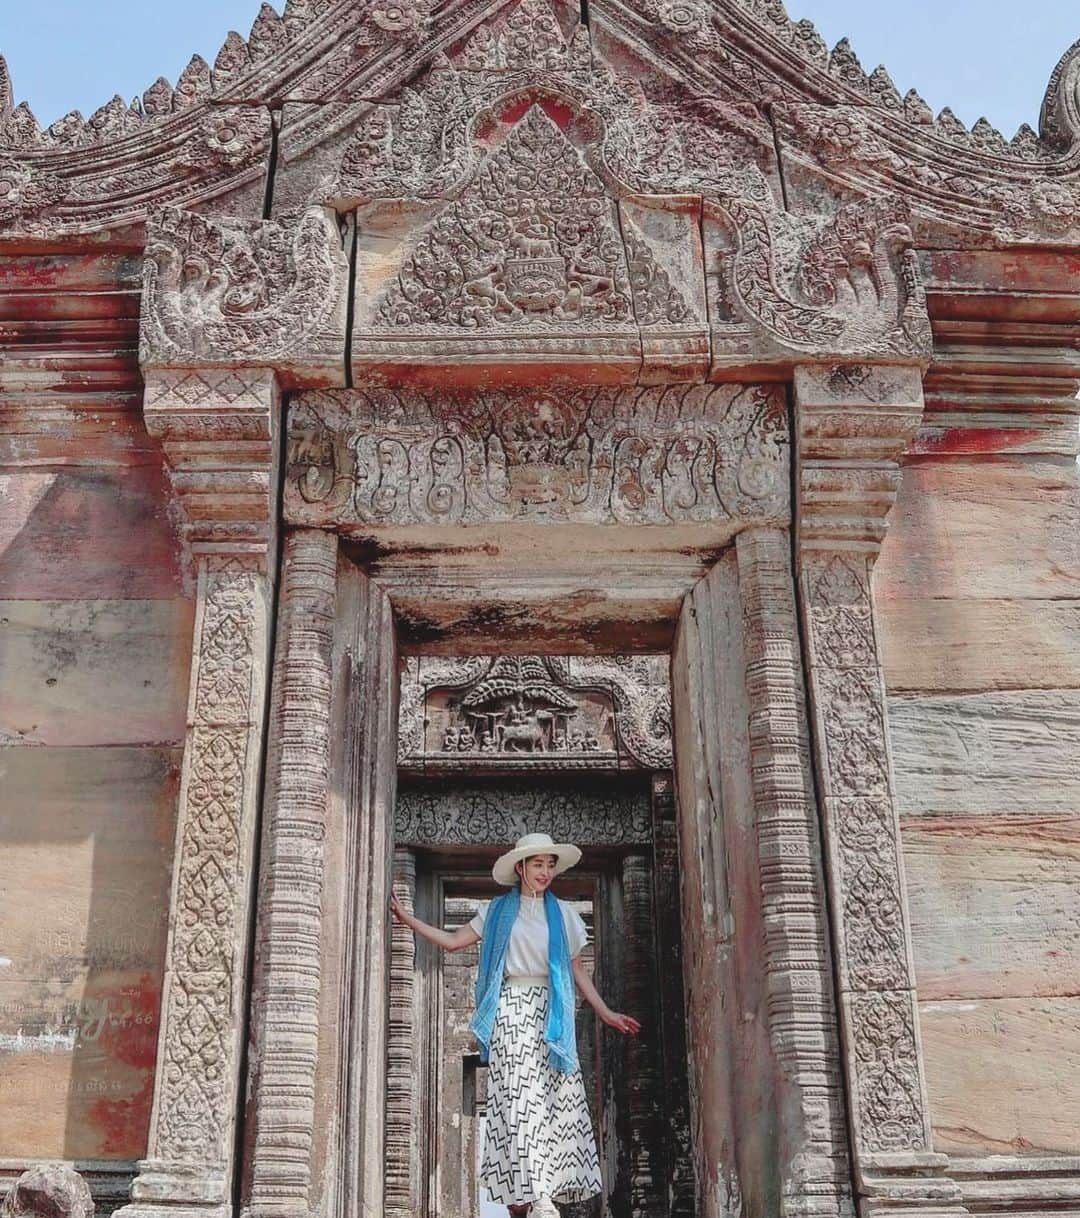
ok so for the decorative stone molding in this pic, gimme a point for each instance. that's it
(236, 294)
(853, 424)
(370, 458)
(402, 1195)
(535, 713)
(49, 1190)
(284, 1049)
(218, 428)
(204, 999)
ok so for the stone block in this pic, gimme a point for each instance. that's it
(86, 843)
(65, 662)
(1002, 1075)
(995, 905)
(1011, 751)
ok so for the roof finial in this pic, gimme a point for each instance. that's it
(7, 100)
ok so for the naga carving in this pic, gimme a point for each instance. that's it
(235, 292)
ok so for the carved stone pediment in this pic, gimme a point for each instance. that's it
(205, 141)
(521, 713)
(363, 459)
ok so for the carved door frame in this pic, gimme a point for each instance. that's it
(313, 1132)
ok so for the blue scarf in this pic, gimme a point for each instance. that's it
(559, 1029)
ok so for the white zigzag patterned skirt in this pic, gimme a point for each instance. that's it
(539, 1135)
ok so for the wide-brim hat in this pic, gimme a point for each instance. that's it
(566, 855)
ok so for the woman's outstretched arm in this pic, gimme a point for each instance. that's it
(621, 1023)
(448, 940)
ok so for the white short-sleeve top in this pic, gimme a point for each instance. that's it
(527, 952)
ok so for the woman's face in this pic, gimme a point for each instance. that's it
(538, 872)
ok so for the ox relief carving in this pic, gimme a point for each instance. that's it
(528, 712)
(241, 293)
(638, 457)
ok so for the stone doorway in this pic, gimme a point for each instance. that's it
(626, 893)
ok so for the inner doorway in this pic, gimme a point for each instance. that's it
(448, 831)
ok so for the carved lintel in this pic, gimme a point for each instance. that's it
(245, 293)
(535, 713)
(218, 429)
(196, 1093)
(672, 455)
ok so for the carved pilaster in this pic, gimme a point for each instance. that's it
(218, 434)
(798, 967)
(288, 961)
(853, 423)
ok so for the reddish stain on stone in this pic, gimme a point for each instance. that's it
(123, 1122)
(959, 440)
(129, 1030)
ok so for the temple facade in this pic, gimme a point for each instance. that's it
(433, 423)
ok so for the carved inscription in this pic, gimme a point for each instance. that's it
(679, 454)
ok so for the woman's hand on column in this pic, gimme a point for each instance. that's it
(398, 910)
(626, 1024)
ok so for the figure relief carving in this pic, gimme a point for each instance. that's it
(536, 711)
(637, 456)
(236, 292)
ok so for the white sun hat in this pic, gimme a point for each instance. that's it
(567, 856)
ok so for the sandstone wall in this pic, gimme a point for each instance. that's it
(978, 592)
(95, 638)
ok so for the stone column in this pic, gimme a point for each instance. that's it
(218, 430)
(770, 1130)
(403, 1053)
(853, 422)
(288, 961)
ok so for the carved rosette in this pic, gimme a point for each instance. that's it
(676, 455)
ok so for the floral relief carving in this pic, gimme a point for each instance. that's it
(889, 1098)
(635, 456)
(872, 933)
(194, 1086)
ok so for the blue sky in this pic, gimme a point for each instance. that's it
(976, 56)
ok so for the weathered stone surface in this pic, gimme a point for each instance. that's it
(1000, 1073)
(980, 530)
(996, 752)
(52, 1190)
(935, 646)
(83, 945)
(995, 904)
(58, 655)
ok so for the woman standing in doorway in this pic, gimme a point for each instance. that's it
(539, 1145)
